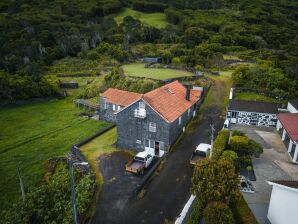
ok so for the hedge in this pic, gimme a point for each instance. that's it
(196, 213)
(218, 213)
(242, 213)
(220, 144)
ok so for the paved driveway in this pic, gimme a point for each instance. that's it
(164, 197)
(170, 190)
(266, 168)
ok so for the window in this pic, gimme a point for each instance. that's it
(114, 107)
(179, 121)
(141, 105)
(138, 141)
(150, 144)
(188, 112)
(118, 108)
(152, 127)
(104, 103)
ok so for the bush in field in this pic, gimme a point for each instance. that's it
(220, 181)
(218, 213)
(220, 144)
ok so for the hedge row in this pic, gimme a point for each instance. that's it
(197, 212)
(220, 144)
(242, 213)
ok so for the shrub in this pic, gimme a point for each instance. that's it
(229, 156)
(220, 181)
(218, 213)
(242, 212)
(220, 144)
(243, 146)
(239, 144)
(238, 133)
(197, 212)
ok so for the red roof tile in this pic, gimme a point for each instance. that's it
(120, 97)
(169, 100)
(290, 124)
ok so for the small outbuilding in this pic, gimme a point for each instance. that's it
(252, 113)
(287, 126)
(283, 202)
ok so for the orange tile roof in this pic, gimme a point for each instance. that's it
(120, 97)
(169, 100)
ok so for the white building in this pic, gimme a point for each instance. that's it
(287, 125)
(283, 207)
(293, 106)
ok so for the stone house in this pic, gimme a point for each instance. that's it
(252, 113)
(151, 121)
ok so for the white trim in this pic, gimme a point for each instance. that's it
(282, 186)
(185, 209)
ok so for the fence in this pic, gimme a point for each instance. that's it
(86, 104)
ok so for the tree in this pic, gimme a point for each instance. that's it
(218, 213)
(215, 181)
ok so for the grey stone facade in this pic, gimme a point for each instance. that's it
(133, 132)
(106, 111)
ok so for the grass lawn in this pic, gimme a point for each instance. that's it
(157, 20)
(137, 69)
(255, 97)
(97, 147)
(32, 133)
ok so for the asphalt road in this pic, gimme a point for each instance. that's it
(169, 191)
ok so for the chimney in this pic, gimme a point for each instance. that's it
(187, 96)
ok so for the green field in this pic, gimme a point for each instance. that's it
(256, 97)
(157, 20)
(137, 69)
(32, 133)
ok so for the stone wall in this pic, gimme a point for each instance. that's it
(106, 113)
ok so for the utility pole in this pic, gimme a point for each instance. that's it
(211, 138)
(73, 192)
(21, 182)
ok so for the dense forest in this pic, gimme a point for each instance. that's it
(36, 33)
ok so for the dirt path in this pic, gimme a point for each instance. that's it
(170, 189)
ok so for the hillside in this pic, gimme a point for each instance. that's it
(37, 33)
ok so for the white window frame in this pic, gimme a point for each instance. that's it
(152, 127)
(179, 120)
(119, 107)
(114, 107)
(138, 141)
